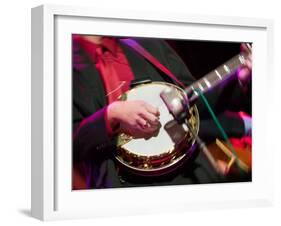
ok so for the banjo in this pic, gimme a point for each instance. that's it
(174, 142)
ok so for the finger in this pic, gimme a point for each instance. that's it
(151, 109)
(142, 122)
(244, 47)
(140, 133)
(136, 131)
(149, 117)
(249, 63)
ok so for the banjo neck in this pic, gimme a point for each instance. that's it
(221, 74)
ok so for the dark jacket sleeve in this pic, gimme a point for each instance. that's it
(89, 129)
(90, 135)
(230, 122)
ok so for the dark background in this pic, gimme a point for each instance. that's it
(202, 57)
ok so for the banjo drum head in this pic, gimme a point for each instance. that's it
(171, 143)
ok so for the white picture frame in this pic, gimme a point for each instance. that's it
(52, 197)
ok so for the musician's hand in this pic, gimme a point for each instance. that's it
(135, 118)
(245, 72)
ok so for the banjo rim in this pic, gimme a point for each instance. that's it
(174, 157)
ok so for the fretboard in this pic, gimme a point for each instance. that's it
(217, 76)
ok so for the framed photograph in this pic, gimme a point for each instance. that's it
(135, 112)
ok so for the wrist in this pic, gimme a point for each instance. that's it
(113, 114)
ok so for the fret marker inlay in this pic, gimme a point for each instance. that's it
(226, 68)
(207, 82)
(218, 74)
(241, 59)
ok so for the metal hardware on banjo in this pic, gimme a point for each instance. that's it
(174, 143)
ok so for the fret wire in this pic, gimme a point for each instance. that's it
(207, 82)
(201, 87)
